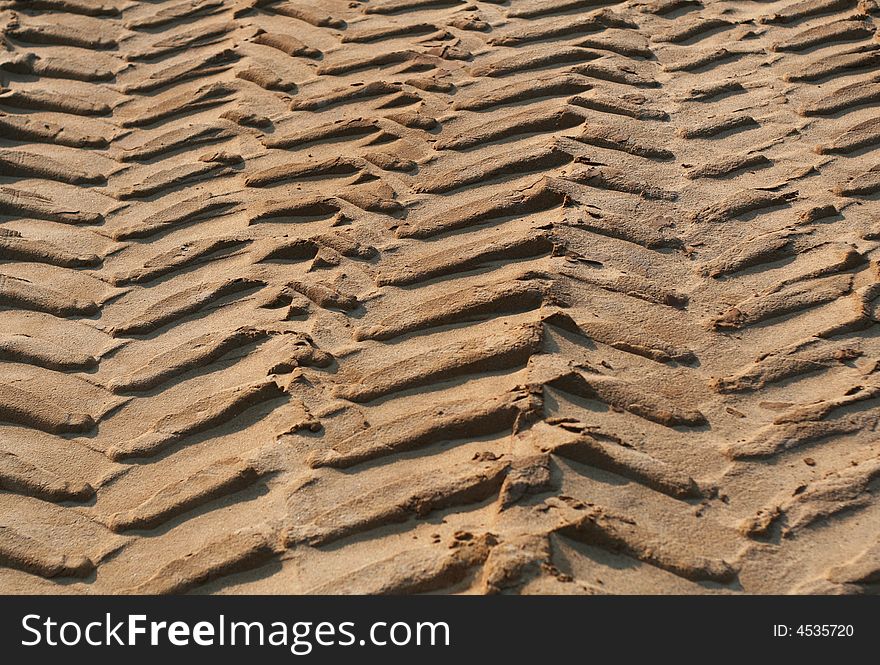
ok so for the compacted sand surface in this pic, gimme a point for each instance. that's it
(396, 296)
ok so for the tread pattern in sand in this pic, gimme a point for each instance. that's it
(520, 296)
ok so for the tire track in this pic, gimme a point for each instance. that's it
(397, 296)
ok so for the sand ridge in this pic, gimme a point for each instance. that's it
(404, 296)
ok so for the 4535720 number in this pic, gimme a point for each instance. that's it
(813, 630)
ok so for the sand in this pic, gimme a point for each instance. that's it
(399, 296)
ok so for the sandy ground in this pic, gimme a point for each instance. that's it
(524, 296)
